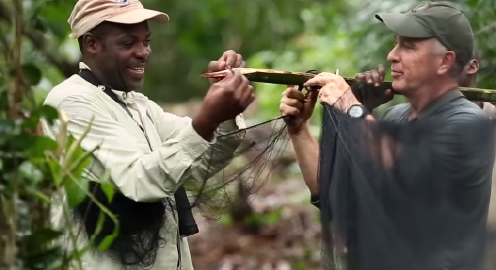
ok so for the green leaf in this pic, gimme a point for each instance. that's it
(75, 193)
(49, 112)
(42, 237)
(44, 111)
(108, 189)
(106, 242)
(32, 74)
(56, 170)
(40, 144)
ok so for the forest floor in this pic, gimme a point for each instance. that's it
(288, 240)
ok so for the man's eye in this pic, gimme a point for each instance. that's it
(127, 44)
(408, 45)
(147, 42)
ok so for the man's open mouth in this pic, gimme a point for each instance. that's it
(138, 69)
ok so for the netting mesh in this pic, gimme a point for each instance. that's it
(233, 171)
(404, 195)
(248, 167)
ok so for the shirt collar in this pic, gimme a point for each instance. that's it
(126, 97)
(444, 99)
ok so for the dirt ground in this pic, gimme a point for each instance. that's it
(291, 241)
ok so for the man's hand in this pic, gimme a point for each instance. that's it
(224, 101)
(334, 91)
(369, 89)
(299, 106)
(229, 59)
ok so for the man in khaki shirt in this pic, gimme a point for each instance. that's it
(148, 152)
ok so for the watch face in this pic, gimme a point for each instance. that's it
(356, 111)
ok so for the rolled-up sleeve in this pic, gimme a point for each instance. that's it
(138, 175)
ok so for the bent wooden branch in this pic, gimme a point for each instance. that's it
(299, 78)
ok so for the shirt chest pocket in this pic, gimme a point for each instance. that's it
(145, 141)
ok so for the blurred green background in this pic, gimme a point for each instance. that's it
(295, 35)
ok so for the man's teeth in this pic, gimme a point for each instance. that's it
(138, 69)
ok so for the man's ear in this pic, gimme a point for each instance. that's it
(473, 67)
(447, 62)
(91, 44)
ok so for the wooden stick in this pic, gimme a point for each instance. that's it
(299, 78)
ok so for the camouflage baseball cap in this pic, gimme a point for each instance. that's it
(438, 20)
(87, 14)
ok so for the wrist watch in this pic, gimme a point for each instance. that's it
(357, 111)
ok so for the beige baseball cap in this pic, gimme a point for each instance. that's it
(87, 14)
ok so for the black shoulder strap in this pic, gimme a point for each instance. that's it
(187, 224)
(91, 78)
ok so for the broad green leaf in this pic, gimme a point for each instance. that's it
(109, 191)
(75, 193)
(40, 144)
(49, 112)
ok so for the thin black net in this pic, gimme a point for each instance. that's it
(404, 195)
(248, 166)
(232, 170)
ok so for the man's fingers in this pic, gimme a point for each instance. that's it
(322, 79)
(295, 94)
(242, 88)
(360, 76)
(368, 77)
(216, 65)
(247, 95)
(381, 71)
(316, 81)
(288, 110)
(243, 64)
(236, 77)
(292, 103)
(239, 60)
(376, 78)
(230, 58)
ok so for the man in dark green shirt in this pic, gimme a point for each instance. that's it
(438, 221)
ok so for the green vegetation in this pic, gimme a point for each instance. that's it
(36, 54)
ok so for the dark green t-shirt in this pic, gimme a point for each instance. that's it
(439, 220)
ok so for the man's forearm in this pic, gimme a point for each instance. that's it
(306, 148)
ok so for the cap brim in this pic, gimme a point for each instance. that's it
(139, 15)
(404, 25)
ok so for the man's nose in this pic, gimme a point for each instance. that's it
(142, 52)
(393, 55)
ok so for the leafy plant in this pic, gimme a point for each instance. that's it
(34, 168)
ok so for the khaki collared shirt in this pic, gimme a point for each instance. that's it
(138, 173)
